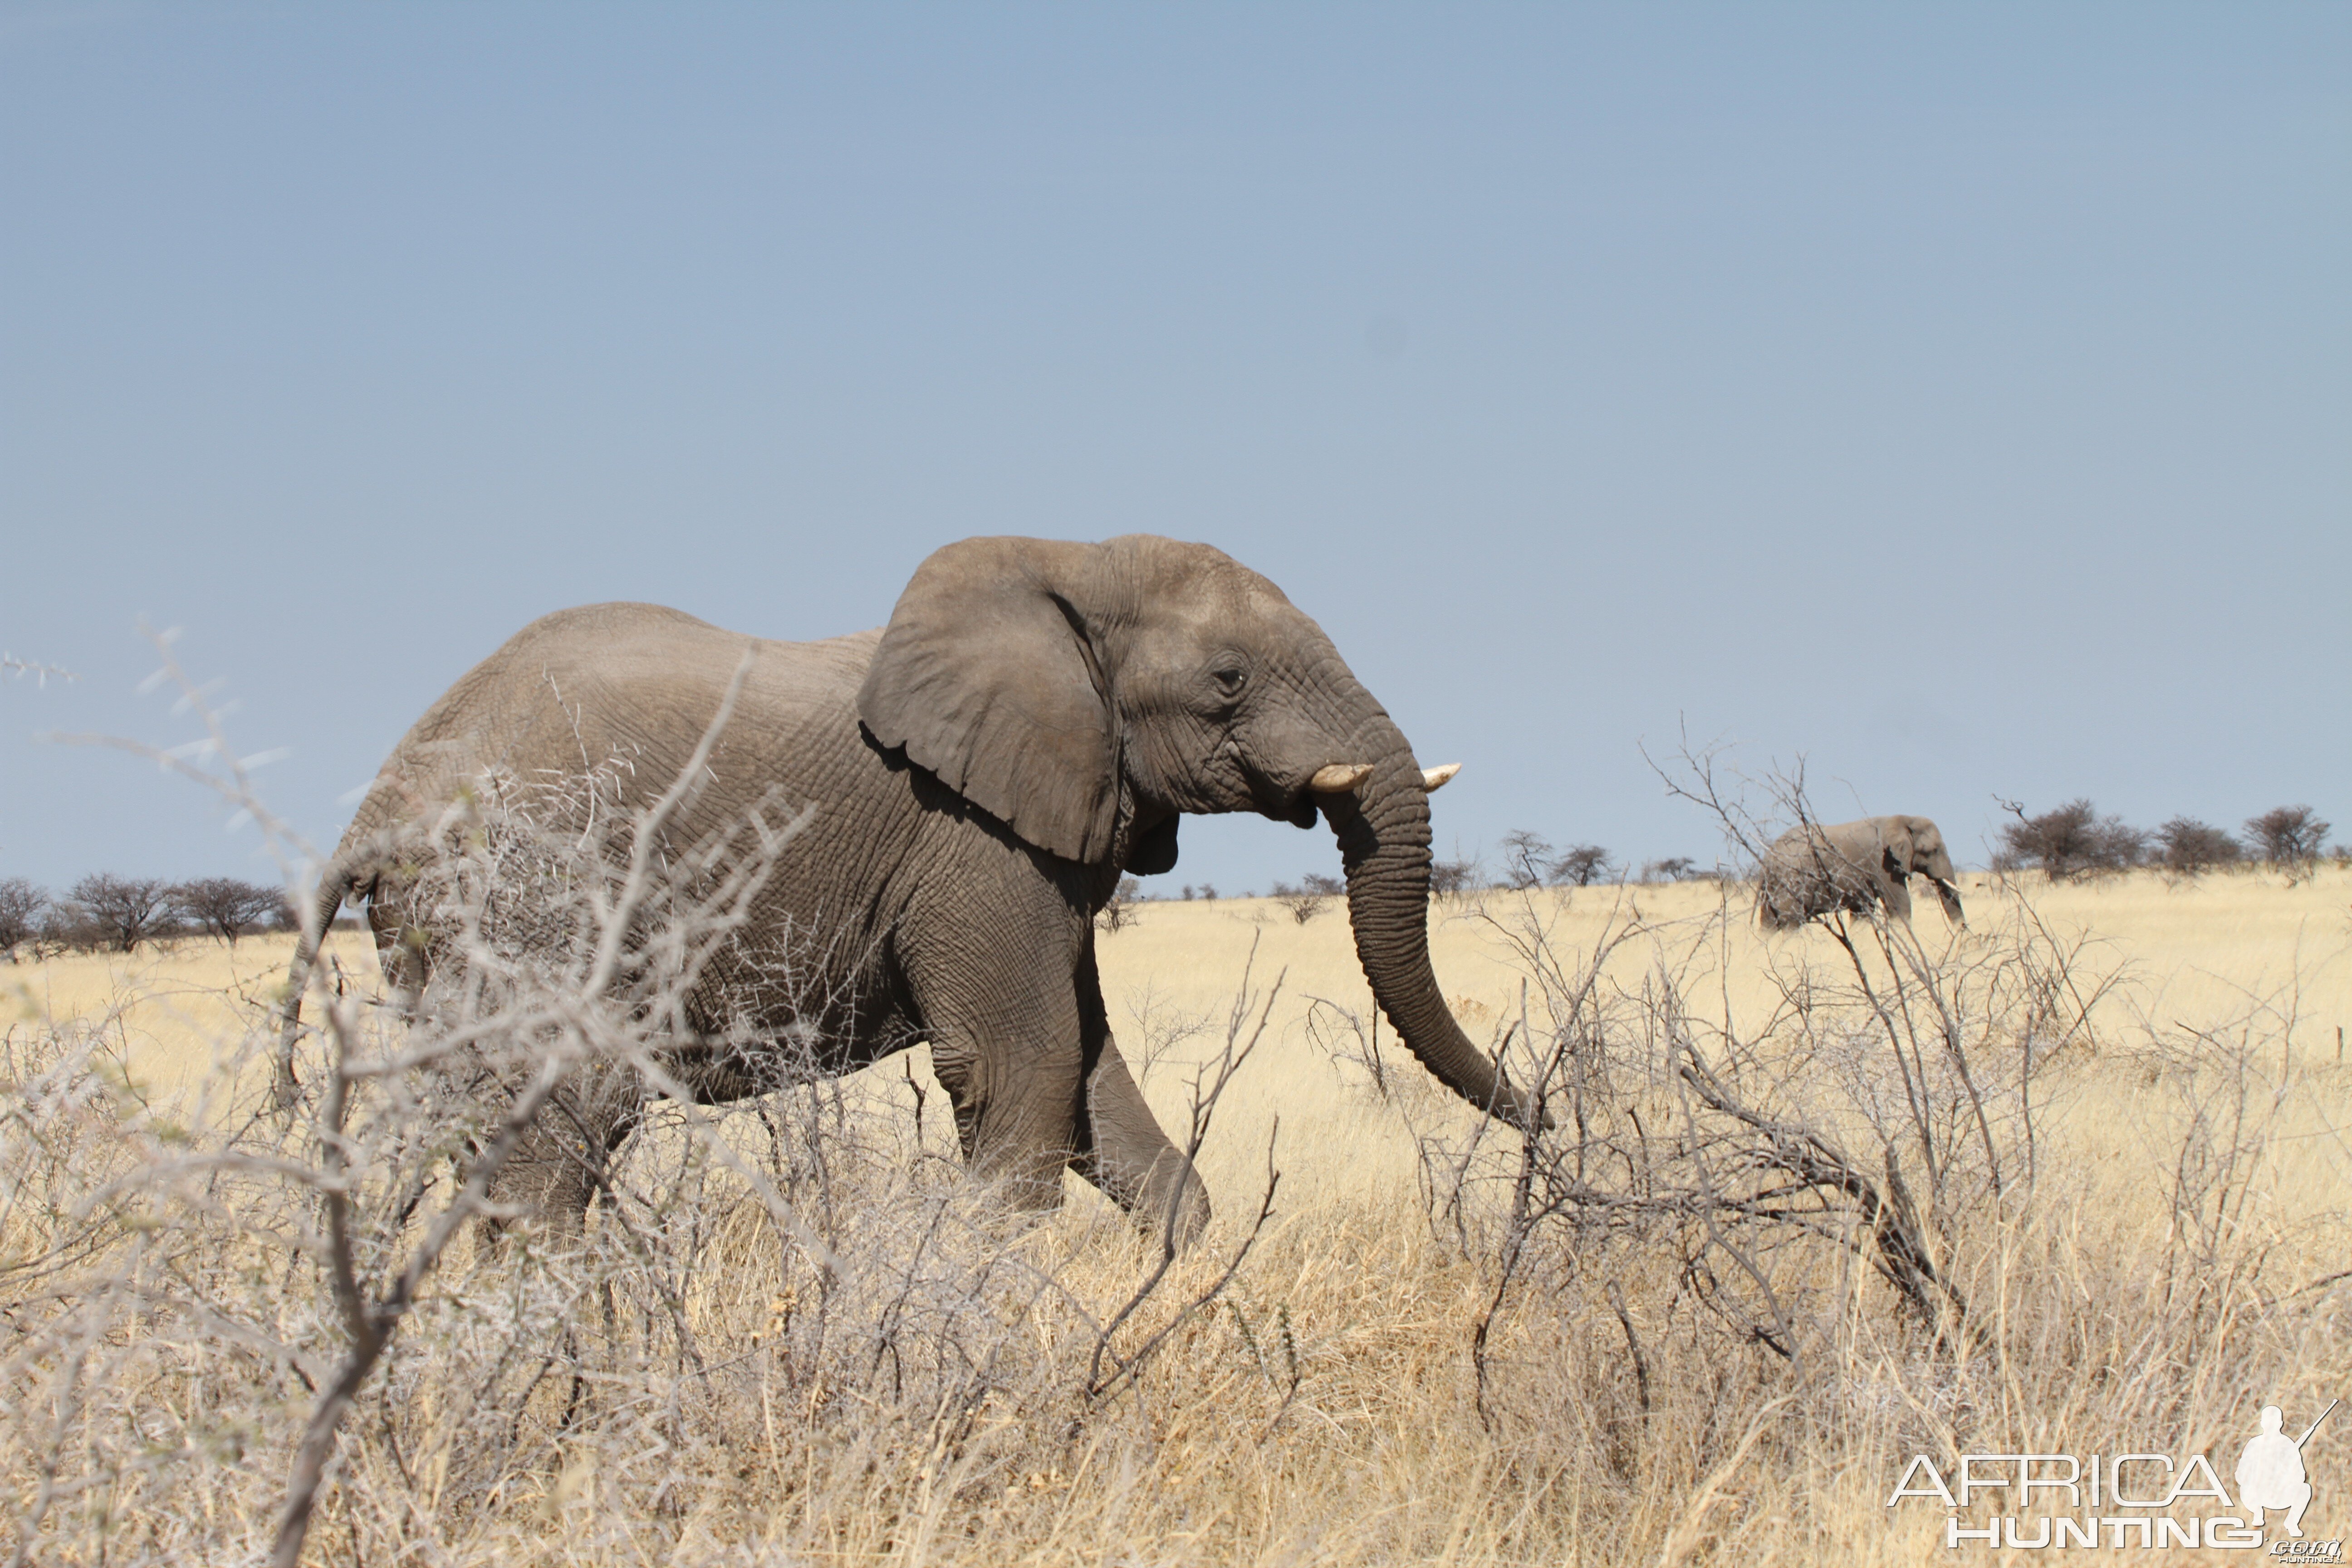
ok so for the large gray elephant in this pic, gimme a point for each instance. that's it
(1029, 726)
(1813, 870)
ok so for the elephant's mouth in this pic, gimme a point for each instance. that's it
(1295, 802)
(1295, 806)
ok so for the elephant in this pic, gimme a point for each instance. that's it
(981, 772)
(1814, 869)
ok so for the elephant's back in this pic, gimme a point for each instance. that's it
(628, 684)
(643, 647)
(651, 654)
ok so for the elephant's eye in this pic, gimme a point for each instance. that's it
(1230, 680)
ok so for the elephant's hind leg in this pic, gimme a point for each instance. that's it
(564, 1160)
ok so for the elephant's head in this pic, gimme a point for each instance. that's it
(1915, 847)
(1087, 695)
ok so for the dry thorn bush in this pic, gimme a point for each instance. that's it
(1866, 1225)
(296, 1311)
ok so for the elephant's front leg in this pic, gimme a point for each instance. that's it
(1122, 1148)
(1014, 1010)
(1002, 1022)
(1126, 1155)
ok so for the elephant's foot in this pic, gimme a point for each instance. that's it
(1173, 1208)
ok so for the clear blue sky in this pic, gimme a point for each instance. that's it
(1959, 398)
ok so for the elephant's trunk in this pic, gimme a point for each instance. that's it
(1383, 832)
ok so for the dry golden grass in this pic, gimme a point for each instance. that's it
(2196, 954)
(2196, 951)
(1326, 1409)
(168, 1004)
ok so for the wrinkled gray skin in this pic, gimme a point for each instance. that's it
(1813, 870)
(1029, 726)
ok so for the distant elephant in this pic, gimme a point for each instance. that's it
(1813, 870)
(1028, 727)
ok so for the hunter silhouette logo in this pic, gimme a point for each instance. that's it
(2270, 1472)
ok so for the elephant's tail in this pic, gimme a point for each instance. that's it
(344, 875)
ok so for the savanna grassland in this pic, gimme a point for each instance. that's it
(2071, 1182)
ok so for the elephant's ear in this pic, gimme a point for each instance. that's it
(1902, 853)
(986, 677)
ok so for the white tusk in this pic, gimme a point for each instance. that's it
(1435, 779)
(1339, 777)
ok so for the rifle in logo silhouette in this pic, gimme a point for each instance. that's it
(2324, 1415)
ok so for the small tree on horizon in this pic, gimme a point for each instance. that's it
(1582, 865)
(2069, 842)
(228, 906)
(1308, 899)
(1526, 859)
(2116, 845)
(125, 910)
(2288, 838)
(2186, 846)
(21, 903)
